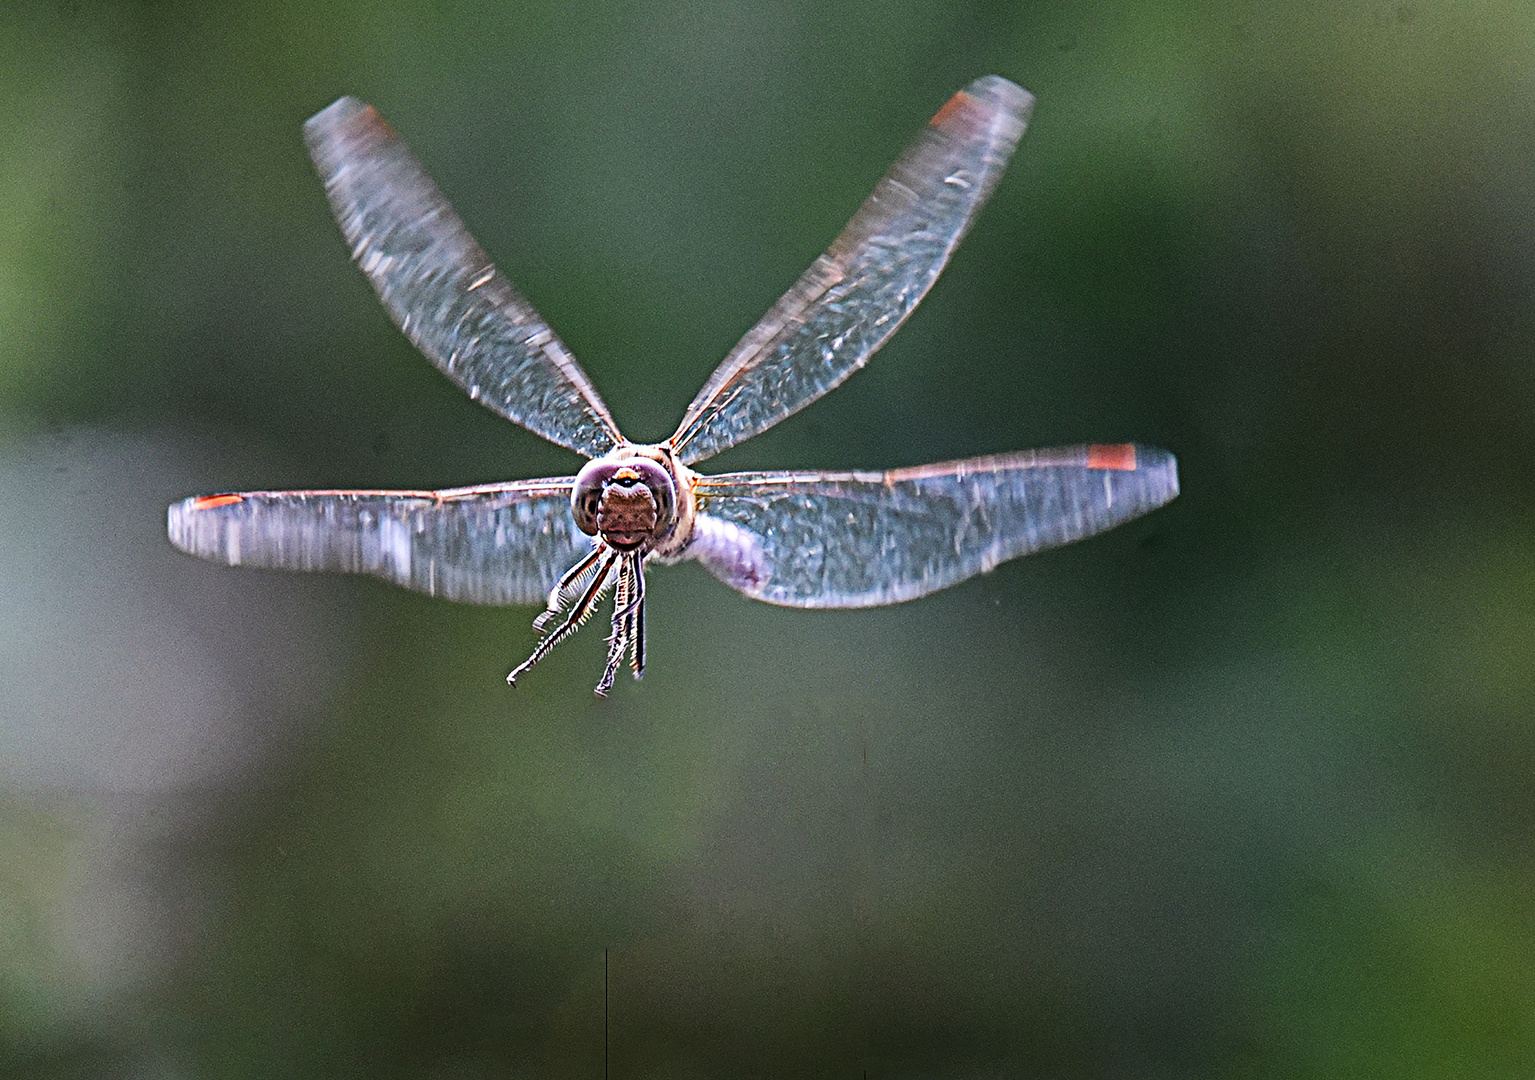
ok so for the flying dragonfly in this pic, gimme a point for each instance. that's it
(800, 539)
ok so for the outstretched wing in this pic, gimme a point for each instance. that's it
(441, 288)
(497, 544)
(858, 539)
(855, 296)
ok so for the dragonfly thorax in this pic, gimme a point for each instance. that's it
(628, 498)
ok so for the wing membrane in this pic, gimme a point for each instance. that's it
(838, 540)
(855, 295)
(441, 288)
(498, 544)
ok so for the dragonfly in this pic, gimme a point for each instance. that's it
(826, 539)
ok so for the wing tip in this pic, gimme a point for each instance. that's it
(1155, 471)
(178, 522)
(345, 119)
(191, 527)
(1004, 93)
(985, 103)
(1163, 468)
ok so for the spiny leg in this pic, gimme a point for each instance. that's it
(628, 622)
(619, 638)
(577, 616)
(567, 583)
(637, 622)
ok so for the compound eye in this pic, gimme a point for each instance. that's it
(654, 477)
(586, 496)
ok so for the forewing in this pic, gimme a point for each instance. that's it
(441, 288)
(832, 540)
(498, 544)
(855, 296)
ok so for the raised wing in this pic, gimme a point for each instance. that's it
(858, 539)
(441, 288)
(855, 296)
(498, 544)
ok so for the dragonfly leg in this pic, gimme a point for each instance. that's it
(618, 640)
(573, 621)
(637, 623)
(628, 622)
(558, 596)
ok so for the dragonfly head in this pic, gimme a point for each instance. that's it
(627, 499)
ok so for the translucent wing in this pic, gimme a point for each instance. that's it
(855, 296)
(441, 288)
(827, 540)
(498, 544)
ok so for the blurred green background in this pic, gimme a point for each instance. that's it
(1241, 789)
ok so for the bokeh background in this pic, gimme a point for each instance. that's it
(1241, 789)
